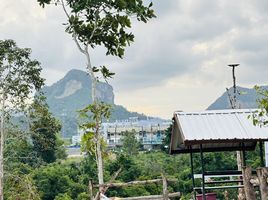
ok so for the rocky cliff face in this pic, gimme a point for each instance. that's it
(75, 87)
(72, 93)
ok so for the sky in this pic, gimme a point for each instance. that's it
(178, 60)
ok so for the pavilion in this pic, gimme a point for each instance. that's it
(214, 131)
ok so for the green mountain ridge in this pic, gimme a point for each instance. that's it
(73, 92)
(246, 98)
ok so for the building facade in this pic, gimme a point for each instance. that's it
(149, 133)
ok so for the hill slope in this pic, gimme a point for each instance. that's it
(246, 99)
(73, 92)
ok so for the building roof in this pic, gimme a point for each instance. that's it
(216, 130)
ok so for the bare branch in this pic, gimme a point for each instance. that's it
(78, 45)
(64, 8)
(74, 35)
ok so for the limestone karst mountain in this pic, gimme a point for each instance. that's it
(73, 92)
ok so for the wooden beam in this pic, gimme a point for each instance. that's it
(152, 197)
(219, 149)
(220, 187)
(224, 181)
(134, 183)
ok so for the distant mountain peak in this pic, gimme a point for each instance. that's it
(73, 92)
(76, 73)
(246, 98)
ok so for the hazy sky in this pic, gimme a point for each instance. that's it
(178, 61)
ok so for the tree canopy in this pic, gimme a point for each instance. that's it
(19, 74)
(19, 78)
(104, 22)
(261, 117)
(44, 131)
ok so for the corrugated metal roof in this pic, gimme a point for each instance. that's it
(214, 127)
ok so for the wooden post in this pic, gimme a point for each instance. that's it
(241, 194)
(226, 195)
(249, 188)
(192, 171)
(165, 189)
(262, 173)
(203, 173)
(241, 159)
(90, 189)
(261, 154)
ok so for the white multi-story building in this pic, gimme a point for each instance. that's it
(149, 132)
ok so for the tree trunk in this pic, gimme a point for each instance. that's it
(99, 160)
(249, 188)
(93, 85)
(92, 75)
(263, 175)
(85, 51)
(2, 139)
(97, 133)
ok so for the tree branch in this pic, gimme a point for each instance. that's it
(78, 45)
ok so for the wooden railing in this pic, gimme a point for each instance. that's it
(164, 196)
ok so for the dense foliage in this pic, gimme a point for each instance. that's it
(27, 148)
(19, 79)
(260, 117)
(44, 132)
(68, 179)
(37, 167)
(104, 23)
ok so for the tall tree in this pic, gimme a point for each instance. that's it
(44, 130)
(131, 144)
(104, 23)
(19, 77)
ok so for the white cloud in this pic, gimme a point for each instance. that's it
(179, 60)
